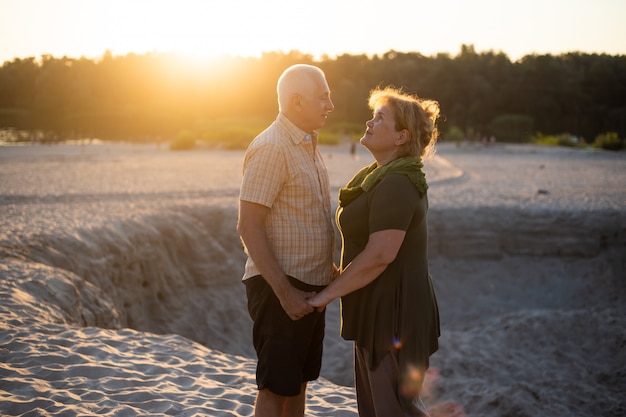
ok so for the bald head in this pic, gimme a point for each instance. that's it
(298, 79)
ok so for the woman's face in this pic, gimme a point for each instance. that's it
(381, 137)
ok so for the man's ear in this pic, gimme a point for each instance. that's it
(296, 101)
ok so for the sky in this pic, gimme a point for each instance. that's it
(210, 28)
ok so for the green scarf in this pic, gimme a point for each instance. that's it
(369, 176)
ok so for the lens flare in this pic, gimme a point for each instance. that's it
(411, 382)
(397, 343)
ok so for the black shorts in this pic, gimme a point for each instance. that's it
(289, 351)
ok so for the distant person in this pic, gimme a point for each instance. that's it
(353, 143)
(388, 303)
(285, 224)
(346, 137)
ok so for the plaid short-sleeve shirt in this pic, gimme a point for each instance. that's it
(284, 170)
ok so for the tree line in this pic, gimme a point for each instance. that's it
(158, 95)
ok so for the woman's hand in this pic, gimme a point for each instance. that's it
(318, 301)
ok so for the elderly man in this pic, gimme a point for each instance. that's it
(285, 224)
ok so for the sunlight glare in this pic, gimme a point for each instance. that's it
(198, 28)
(246, 28)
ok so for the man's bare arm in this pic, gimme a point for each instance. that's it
(251, 228)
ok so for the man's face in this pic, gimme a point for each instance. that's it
(315, 105)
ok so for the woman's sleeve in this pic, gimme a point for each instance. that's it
(394, 203)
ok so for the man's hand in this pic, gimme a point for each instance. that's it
(295, 302)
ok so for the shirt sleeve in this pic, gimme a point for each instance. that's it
(264, 173)
(394, 204)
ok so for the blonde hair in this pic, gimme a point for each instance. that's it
(297, 79)
(418, 116)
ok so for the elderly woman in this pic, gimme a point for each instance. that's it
(388, 304)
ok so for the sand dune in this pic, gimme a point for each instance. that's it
(120, 289)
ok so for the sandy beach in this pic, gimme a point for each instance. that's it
(120, 291)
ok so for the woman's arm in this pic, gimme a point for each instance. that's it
(381, 249)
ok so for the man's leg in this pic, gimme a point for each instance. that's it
(294, 406)
(269, 404)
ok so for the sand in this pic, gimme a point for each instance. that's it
(120, 289)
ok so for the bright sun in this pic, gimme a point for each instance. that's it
(199, 28)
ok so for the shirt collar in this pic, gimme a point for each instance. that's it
(296, 134)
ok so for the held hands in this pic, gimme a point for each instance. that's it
(295, 303)
(320, 300)
(317, 300)
(298, 304)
